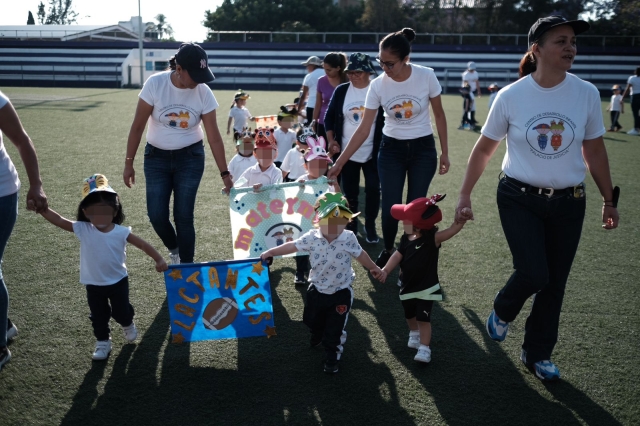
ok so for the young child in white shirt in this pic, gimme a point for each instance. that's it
(264, 172)
(293, 164)
(244, 157)
(285, 137)
(493, 88)
(330, 295)
(239, 115)
(615, 108)
(103, 253)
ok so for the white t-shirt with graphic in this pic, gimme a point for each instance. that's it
(615, 103)
(634, 81)
(9, 182)
(240, 117)
(239, 164)
(311, 81)
(330, 261)
(406, 103)
(176, 116)
(353, 108)
(285, 142)
(545, 129)
(470, 77)
(102, 254)
(293, 164)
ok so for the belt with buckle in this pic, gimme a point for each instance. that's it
(549, 192)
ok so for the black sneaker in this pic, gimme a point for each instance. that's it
(331, 366)
(372, 235)
(12, 330)
(299, 278)
(5, 356)
(383, 258)
(315, 341)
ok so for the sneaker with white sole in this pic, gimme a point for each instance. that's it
(633, 132)
(424, 354)
(130, 333)
(496, 328)
(174, 259)
(5, 356)
(12, 330)
(414, 340)
(544, 370)
(103, 348)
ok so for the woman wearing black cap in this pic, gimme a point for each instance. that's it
(553, 124)
(174, 103)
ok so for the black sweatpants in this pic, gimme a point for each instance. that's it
(107, 301)
(326, 315)
(614, 120)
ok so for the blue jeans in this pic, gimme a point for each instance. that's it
(179, 172)
(351, 188)
(8, 215)
(543, 234)
(397, 159)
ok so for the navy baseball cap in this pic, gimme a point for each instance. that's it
(194, 59)
(542, 25)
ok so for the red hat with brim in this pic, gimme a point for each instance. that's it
(423, 213)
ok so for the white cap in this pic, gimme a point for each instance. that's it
(471, 65)
(313, 60)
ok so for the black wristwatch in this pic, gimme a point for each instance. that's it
(225, 174)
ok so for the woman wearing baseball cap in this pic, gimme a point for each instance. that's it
(541, 195)
(174, 103)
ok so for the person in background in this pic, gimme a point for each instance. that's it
(615, 108)
(633, 89)
(310, 86)
(334, 67)
(285, 137)
(467, 102)
(471, 76)
(493, 88)
(293, 165)
(239, 115)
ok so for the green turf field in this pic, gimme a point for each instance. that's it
(471, 380)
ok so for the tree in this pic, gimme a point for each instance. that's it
(30, 20)
(382, 16)
(60, 13)
(162, 26)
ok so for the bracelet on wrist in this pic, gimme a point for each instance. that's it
(129, 158)
(225, 174)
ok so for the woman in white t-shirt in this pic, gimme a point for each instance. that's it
(407, 150)
(541, 197)
(174, 103)
(11, 126)
(309, 88)
(633, 88)
(471, 76)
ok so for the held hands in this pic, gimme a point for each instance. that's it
(334, 148)
(161, 265)
(444, 164)
(37, 200)
(463, 210)
(378, 274)
(610, 217)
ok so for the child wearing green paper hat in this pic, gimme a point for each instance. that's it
(330, 295)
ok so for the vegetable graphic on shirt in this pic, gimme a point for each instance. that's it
(556, 130)
(408, 107)
(184, 119)
(542, 129)
(173, 119)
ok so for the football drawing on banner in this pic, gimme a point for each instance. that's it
(274, 216)
(219, 300)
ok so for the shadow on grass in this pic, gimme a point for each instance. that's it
(277, 381)
(67, 103)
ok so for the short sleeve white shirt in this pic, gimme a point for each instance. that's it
(253, 176)
(406, 103)
(239, 164)
(353, 109)
(177, 113)
(615, 102)
(545, 128)
(102, 254)
(285, 142)
(471, 78)
(240, 117)
(311, 81)
(634, 81)
(9, 182)
(331, 269)
(293, 164)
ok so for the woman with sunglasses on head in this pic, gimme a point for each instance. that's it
(541, 195)
(407, 149)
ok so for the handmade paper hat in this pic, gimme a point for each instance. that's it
(246, 136)
(303, 133)
(96, 183)
(317, 149)
(333, 205)
(240, 94)
(287, 113)
(194, 59)
(264, 138)
(423, 213)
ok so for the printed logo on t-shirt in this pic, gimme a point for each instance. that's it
(403, 108)
(355, 110)
(178, 117)
(550, 134)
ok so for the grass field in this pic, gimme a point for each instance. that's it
(471, 380)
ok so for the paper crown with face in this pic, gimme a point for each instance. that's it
(303, 133)
(423, 213)
(97, 182)
(241, 94)
(333, 205)
(316, 149)
(264, 138)
(245, 136)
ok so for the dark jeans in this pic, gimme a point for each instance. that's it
(397, 159)
(351, 189)
(178, 172)
(309, 115)
(326, 316)
(302, 264)
(8, 216)
(107, 301)
(615, 115)
(635, 109)
(543, 234)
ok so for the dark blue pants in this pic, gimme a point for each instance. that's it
(543, 234)
(415, 159)
(178, 172)
(107, 301)
(8, 216)
(351, 189)
(635, 109)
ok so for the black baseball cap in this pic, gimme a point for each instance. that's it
(194, 59)
(542, 25)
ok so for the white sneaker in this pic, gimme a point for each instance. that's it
(414, 341)
(633, 132)
(174, 259)
(12, 330)
(102, 350)
(130, 333)
(423, 355)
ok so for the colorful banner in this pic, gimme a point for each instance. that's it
(219, 300)
(275, 215)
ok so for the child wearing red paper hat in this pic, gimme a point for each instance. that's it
(264, 172)
(417, 256)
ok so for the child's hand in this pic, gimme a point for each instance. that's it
(379, 274)
(256, 187)
(228, 131)
(266, 255)
(161, 265)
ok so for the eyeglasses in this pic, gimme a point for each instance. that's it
(355, 73)
(388, 65)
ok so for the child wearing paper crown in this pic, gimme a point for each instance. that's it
(417, 256)
(293, 164)
(264, 172)
(103, 253)
(329, 295)
(244, 157)
(316, 158)
(239, 114)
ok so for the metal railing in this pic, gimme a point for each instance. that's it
(421, 38)
(60, 73)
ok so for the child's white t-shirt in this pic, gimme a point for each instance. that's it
(293, 164)
(239, 164)
(545, 128)
(330, 261)
(492, 97)
(615, 103)
(175, 120)
(254, 175)
(406, 103)
(9, 182)
(102, 254)
(240, 117)
(285, 142)
(353, 109)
